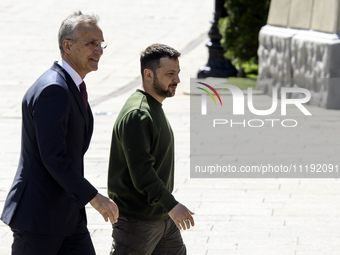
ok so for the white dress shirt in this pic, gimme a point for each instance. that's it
(74, 75)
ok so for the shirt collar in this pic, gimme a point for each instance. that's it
(74, 75)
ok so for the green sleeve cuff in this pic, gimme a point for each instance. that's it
(168, 201)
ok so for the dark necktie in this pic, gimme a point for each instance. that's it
(83, 93)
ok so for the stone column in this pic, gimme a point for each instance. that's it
(300, 46)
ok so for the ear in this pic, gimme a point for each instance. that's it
(148, 74)
(67, 46)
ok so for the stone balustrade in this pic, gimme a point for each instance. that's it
(300, 46)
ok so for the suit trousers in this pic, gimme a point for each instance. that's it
(135, 237)
(27, 243)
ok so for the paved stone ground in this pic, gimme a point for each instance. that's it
(233, 216)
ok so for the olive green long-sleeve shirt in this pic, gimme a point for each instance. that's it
(141, 166)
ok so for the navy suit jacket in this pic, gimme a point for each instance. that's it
(49, 191)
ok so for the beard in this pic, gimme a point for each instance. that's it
(159, 88)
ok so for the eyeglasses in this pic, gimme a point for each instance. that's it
(92, 44)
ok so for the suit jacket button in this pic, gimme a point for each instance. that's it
(74, 197)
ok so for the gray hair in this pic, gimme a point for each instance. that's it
(70, 26)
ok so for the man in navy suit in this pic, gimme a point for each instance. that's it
(45, 207)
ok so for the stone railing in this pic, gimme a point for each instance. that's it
(300, 46)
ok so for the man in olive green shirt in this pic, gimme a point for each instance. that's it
(141, 167)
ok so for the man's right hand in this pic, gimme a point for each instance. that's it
(106, 207)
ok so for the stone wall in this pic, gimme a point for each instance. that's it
(300, 46)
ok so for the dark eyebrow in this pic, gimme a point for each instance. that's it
(172, 71)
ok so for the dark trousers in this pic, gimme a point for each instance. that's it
(27, 243)
(145, 238)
